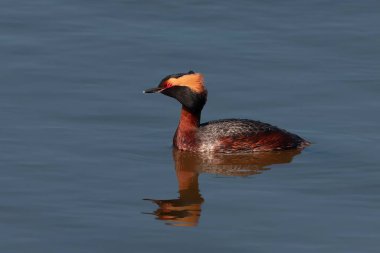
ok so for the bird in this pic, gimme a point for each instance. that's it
(218, 136)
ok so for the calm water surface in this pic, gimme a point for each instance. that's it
(82, 147)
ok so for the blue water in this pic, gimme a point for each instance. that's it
(81, 146)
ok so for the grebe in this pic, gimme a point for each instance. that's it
(223, 136)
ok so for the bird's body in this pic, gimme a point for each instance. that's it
(231, 135)
(224, 136)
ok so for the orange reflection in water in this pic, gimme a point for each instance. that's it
(186, 209)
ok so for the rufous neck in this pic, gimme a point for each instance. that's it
(189, 120)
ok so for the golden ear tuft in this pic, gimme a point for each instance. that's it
(192, 80)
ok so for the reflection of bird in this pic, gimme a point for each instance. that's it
(186, 210)
(236, 164)
(225, 136)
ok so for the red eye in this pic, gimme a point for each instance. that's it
(168, 85)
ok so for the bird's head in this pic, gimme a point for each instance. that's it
(187, 88)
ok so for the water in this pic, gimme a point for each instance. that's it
(81, 146)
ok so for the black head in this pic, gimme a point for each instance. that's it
(187, 88)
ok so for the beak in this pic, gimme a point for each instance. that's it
(153, 90)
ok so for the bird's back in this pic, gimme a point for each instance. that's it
(243, 135)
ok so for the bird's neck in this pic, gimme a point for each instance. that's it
(189, 121)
